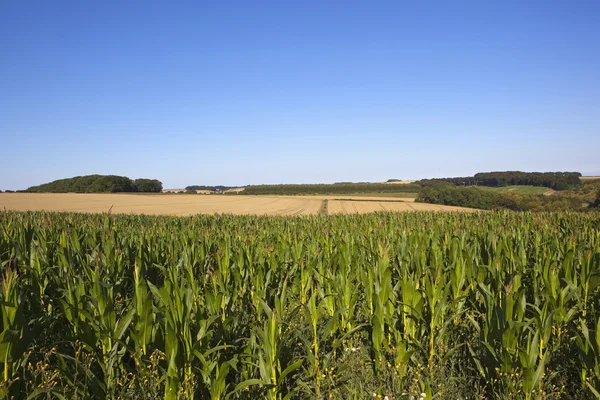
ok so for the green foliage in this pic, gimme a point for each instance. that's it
(439, 192)
(147, 185)
(98, 184)
(516, 189)
(587, 193)
(336, 188)
(553, 180)
(213, 188)
(467, 305)
(596, 203)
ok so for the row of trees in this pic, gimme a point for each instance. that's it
(213, 188)
(99, 184)
(553, 180)
(337, 188)
(446, 194)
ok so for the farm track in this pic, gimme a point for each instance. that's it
(324, 209)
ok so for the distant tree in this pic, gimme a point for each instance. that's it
(554, 180)
(111, 184)
(336, 188)
(97, 184)
(213, 188)
(148, 185)
(447, 194)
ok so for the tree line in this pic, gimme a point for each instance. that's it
(552, 180)
(336, 188)
(213, 188)
(99, 184)
(472, 197)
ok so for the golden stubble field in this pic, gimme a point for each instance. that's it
(164, 204)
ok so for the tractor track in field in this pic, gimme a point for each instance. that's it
(288, 210)
(302, 208)
(343, 207)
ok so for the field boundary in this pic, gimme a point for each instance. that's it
(324, 209)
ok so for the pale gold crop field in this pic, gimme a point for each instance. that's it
(164, 204)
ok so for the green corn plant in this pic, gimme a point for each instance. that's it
(406, 289)
(312, 315)
(107, 326)
(176, 306)
(382, 307)
(143, 329)
(273, 370)
(36, 271)
(588, 345)
(11, 331)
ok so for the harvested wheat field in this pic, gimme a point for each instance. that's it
(363, 207)
(195, 204)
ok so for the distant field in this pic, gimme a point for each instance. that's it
(589, 178)
(517, 189)
(400, 182)
(398, 195)
(213, 204)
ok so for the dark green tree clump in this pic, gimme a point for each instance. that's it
(336, 188)
(438, 192)
(553, 180)
(98, 184)
(147, 185)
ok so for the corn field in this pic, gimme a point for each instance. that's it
(411, 305)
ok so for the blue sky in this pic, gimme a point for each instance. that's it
(284, 92)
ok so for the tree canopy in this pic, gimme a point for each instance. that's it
(553, 180)
(440, 192)
(147, 185)
(336, 188)
(99, 184)
(213, 188)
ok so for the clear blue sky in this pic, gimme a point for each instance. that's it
(279, 92)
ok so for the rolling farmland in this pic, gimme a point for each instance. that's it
(181, 205)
